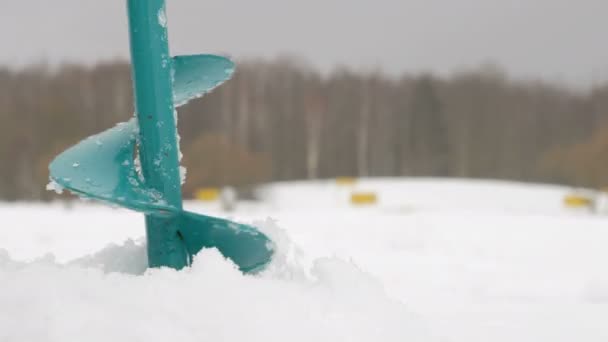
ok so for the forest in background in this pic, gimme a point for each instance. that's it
(283, 120)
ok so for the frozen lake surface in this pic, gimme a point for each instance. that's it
(434, 260)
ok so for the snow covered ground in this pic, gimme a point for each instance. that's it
(435, 260)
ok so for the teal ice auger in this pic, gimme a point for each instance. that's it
(136, 164)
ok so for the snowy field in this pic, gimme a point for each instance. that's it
(435, 260)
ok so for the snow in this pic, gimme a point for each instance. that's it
(162, 17)
(434, 260)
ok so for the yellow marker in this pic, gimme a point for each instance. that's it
(363, 198)
(207, 194)
(577, 201)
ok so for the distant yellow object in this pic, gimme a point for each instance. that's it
(578, 201)
(207, 194)
(363, 198)
(346, 181)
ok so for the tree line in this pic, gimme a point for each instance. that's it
(283, 120)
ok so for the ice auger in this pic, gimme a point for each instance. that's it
(136, 163)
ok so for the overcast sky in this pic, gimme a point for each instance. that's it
(557, 40)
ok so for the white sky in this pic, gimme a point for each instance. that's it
(557, 40)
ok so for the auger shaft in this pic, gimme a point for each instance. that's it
(158, 145)
(103, 166)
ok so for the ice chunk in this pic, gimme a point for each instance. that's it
(182, 174)
(54, 186)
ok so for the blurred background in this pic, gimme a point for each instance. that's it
(501, 89)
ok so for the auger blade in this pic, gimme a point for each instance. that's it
(102, 167)
(248, 248)
(195, 75)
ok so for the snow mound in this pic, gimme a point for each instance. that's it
(110, 296)
(596, 291)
